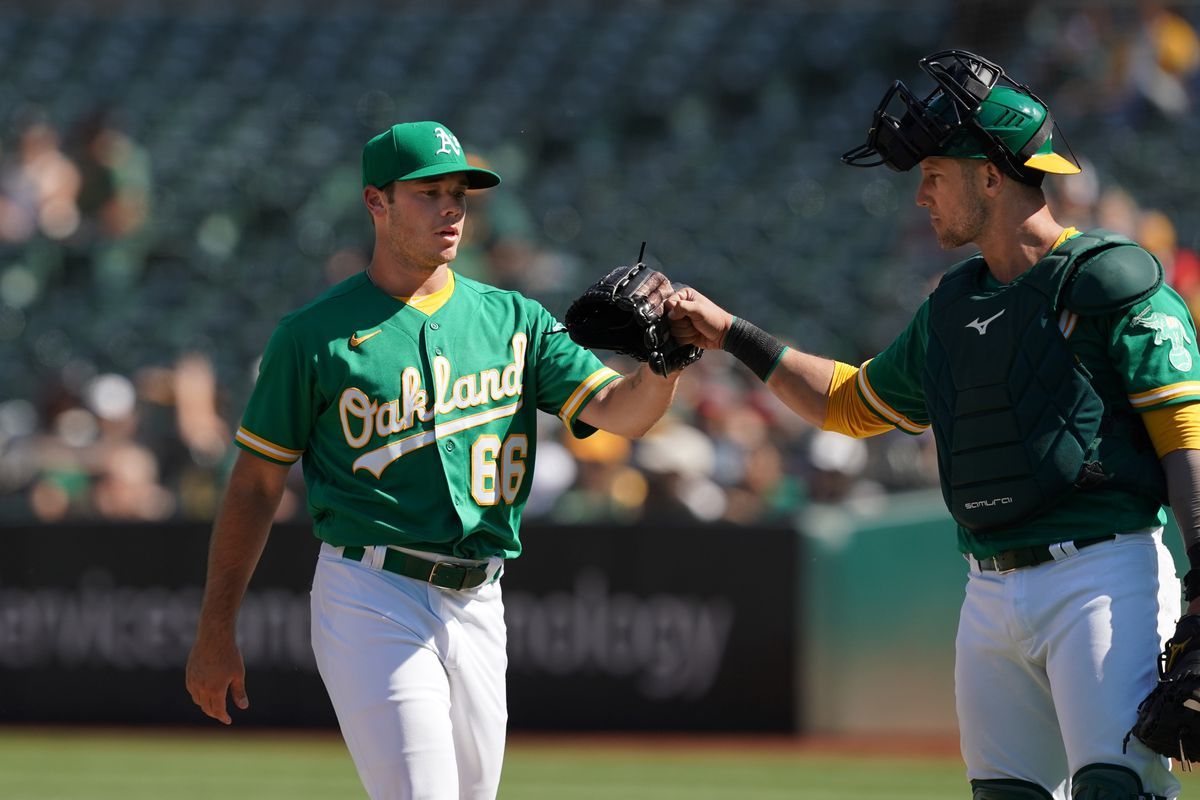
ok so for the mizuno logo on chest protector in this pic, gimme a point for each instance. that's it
(983, 326)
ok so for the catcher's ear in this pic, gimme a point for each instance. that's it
(376, 201)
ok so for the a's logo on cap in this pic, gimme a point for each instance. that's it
(449, 142)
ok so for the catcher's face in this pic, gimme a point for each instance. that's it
(950, 190)
(422, 223)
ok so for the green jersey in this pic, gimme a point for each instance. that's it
(1141, 359)
(417, 430)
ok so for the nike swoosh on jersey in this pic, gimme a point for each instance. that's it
(355, 341)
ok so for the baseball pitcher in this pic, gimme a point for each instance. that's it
(410, 396)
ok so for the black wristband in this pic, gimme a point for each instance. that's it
(754, 347)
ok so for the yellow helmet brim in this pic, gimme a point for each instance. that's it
(1052, 162)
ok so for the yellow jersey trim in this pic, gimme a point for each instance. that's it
(1164, 393)
(1174, 428)
(268, 449)
(881, 408)
(584, 391)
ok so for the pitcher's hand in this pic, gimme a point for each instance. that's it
(215, 667)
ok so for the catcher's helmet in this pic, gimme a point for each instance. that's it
(976, 111)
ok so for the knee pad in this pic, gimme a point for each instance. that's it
(1008, 789)
(1108, 782)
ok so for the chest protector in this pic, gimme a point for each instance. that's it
(1016, 420)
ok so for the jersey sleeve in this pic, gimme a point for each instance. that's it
(890, 384)
(845, 411)
(1174, 428)
(279, 414)
(1154, 349)
(568, 376)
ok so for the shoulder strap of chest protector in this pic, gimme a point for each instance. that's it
(1097, 272)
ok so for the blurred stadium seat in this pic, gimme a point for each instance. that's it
(712, 130)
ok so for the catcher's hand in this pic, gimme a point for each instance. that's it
(623, 312)
(1168, 720)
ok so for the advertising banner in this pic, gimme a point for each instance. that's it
(609, 628)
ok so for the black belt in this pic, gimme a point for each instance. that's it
(1008, 560)
(446, 574)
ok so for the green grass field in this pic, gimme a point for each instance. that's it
(48, 764)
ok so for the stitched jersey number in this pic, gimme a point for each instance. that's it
(497, 469)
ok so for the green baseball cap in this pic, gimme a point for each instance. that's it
(414, 150)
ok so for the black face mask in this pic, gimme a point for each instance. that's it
(905, 129)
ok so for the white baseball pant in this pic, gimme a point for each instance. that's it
(1053, 660)
(416, 675)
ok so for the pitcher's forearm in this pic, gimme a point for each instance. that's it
(630, 406)
(239, 536)
(233, 553)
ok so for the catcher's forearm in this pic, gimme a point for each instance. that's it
(802, 381)
(799, 379)
(1182, 468)
(630, 406)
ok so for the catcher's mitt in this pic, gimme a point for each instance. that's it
(623, 311)
(1168, 720)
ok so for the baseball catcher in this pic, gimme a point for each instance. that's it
(623, 312)
(1168, 720)
(1069, 597)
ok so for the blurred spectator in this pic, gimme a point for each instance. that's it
(201, 428)
(61, 487)
(837, 465)
(109, 249)
(1075, 201)
(1157, 234)
(90, 464)
(114, 194)
(1181, 265)
(127, 485)
(554, 472)
(606, 488)
(42, 187)
(766, 492)
(18, 207)
(184, 419)
(1165, 53)
(58, 453)
(1117, 211)
(127, 477)
(678, 462)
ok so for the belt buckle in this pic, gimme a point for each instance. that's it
(999, 571)
(433, 574)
